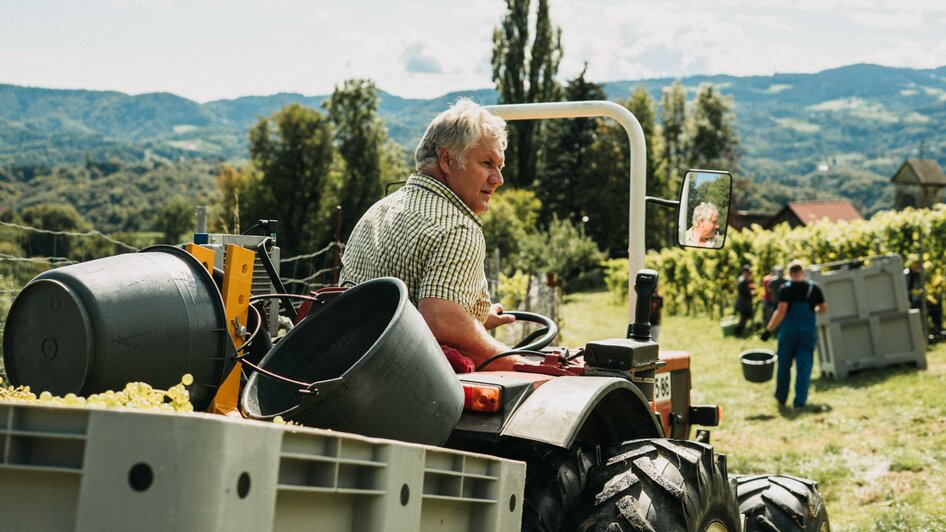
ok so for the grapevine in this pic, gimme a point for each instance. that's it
(136, 395)
(699, 282)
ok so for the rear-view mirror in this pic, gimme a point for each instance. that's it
(703, 218)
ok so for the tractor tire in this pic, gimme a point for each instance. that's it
(555, 482)
(657, 485)
(781, 503)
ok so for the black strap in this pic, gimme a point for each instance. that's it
(274, 278)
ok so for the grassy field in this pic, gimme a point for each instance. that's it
(876, 445)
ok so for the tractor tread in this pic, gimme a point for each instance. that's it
(646, 466)
(656, 484)
(619, 483)
(781, 503)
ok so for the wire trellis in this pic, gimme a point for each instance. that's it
(297, 261)
(93, 233)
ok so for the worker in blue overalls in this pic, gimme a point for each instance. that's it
(798, 302)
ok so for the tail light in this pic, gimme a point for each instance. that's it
(482, 398)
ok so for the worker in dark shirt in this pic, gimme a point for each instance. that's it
(798, 302)
(745, 304)
(929, 305)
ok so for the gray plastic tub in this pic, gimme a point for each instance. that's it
(372, 367)
(150, 316)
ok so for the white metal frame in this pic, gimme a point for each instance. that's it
(638, 173)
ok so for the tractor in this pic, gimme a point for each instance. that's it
(604, 429)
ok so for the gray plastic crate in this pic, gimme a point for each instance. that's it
(876, 342)
(100, 470)
(861, 288)
(869, 323)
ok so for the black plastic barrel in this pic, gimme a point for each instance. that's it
(376, 366)
(757, 364)
(150, 316)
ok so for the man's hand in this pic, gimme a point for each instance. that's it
(766, 334)
(496, 317)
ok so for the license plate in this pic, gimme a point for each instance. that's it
(662, 387)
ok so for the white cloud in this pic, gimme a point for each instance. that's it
(646, 39)
(667, 41)
(912, 54)
(889, 20)
(422, 48)
(418, 61)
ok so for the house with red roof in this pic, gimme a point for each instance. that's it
(798, 213)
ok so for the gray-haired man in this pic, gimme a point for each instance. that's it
(429, 234)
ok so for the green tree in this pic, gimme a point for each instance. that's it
(673, 118)
(56, 218)
(712, 141)
(512, 215)
(673, 127)
(175, 219)
(525, 62)
(396, 164)
(564, 173)
(563, 250)
(293, 151)
(606, 192)
(235, 187)
(11, 239)
(659, 219)
(607, 199)
(361, 137)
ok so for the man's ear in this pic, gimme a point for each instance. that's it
(443, 160)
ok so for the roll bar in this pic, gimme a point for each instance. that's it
(638, 174)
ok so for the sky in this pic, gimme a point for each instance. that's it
(221, 49)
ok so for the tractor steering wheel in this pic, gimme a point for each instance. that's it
(539, 338)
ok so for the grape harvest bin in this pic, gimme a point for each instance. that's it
(98, 470)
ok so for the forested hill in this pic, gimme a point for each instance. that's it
(46, 127)
(856, 123)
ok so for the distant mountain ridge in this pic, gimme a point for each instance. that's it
(863, 117)
(52, 126)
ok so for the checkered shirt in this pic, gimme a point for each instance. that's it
(426, 236)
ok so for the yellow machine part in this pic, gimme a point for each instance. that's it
(237, 283)
(202, 254)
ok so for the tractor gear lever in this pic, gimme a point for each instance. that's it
(644, 285)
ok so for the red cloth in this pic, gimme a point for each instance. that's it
(458, 361)
(766, 282)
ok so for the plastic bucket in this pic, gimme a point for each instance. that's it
(376, 367)
(757, 364)
(150, 316)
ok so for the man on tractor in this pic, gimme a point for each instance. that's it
(429, 234)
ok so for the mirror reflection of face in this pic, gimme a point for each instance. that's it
(706, 229)
(704, 206)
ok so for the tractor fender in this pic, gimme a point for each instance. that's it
(602, 410)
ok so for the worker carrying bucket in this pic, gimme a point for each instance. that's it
(798, 302)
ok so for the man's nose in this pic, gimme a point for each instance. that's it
(497, 178)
